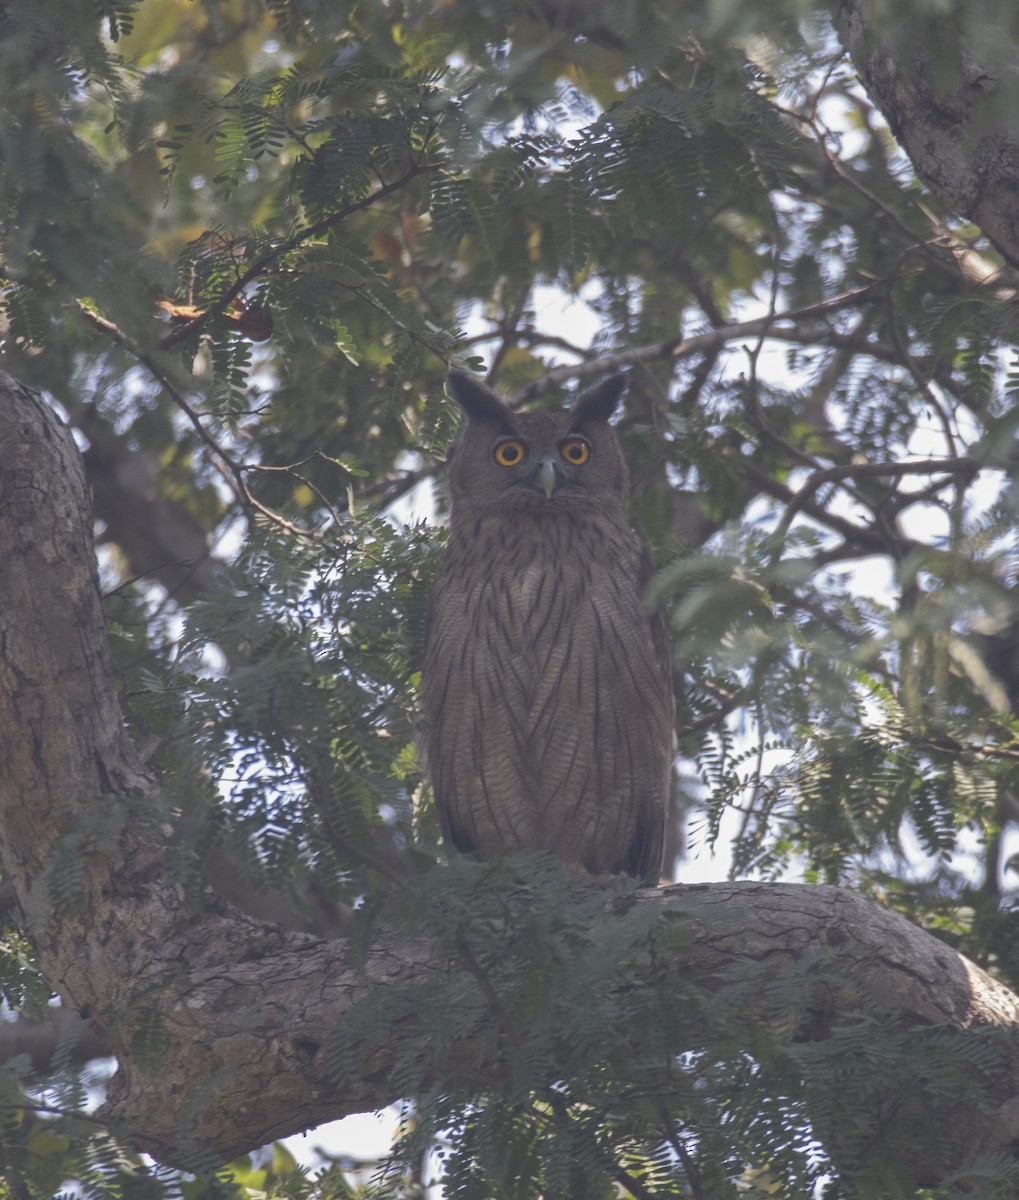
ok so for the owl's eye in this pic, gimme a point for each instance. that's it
(509, 452)
(575, 450)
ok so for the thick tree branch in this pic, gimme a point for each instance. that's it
(950, 102)
(231, 1032)
(64, 1035)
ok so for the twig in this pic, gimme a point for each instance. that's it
(821, 135)
(823, 475)
(163, 379)
(232, 471)
(292, 470)
(716, 716)
(693, 1174)
(866, 539)
(269, 256)
(623, 1177)
(392, 489)
(499, 1010)
(509, 333)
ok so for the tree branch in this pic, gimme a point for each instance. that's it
(951, 109)
(231, 1032)
(772, 325)
(280, 249)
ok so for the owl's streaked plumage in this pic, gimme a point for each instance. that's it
(546, 681)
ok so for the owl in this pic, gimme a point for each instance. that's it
(546, 680)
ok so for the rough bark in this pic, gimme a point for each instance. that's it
(254, 1020)
(947, 85)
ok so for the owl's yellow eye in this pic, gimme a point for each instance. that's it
(576, 451)
(509, 452)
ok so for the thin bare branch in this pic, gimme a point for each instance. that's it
(776, 326)
(266, 259)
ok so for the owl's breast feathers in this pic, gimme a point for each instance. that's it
(548, 689)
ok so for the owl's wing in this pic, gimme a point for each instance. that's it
(645, 860)
(450, 749)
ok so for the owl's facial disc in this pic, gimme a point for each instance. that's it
(553, 470)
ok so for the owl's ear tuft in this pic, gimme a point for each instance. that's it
(479, 402)
(597, 404)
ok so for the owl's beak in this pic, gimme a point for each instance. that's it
(547, 477)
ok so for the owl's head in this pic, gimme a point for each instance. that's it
(501, 455)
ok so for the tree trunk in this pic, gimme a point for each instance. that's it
(946, 82)
(231, 1032)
